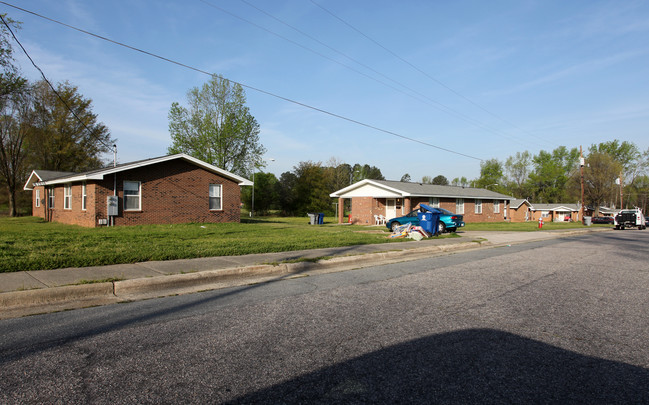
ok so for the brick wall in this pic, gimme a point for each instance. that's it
(518, 215)
(172, 192)
(362, 210)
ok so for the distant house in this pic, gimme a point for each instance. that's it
(163, 190)
(395, 198)
(520, 210)
(523, 210)
(556, 212)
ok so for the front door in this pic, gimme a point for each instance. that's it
(390, 208)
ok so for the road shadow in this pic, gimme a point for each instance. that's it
(470, 366)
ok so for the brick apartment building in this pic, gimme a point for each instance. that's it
(163, 190)
(522, 210)
(394, 198)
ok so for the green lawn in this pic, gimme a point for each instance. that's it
(524, 226)
(29, 243)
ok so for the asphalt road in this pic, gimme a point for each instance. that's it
(561, 321)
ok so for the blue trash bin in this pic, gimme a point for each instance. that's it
(425, 221)
(434, 220)
(320, 218)
(429, 222)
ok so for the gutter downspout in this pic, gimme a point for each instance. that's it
(112, 221)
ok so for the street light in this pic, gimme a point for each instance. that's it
(252, 207)
(489, 185)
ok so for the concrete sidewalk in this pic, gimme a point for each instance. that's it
(29, 292)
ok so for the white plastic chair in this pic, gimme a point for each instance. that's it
(377, 220)
(381, 219)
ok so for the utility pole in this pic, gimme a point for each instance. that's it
(621, 186)
(581, 172)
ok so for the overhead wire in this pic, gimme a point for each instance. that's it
(65, 103)
(169, 60)
(417, 95)
(426, 74)
(422, 97)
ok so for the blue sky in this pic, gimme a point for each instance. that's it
(485, 79)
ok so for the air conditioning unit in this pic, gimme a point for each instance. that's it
(102, 221)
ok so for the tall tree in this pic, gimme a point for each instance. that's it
(460, 181)
(599, 180)
(14, 115)
(405, 178)
(440, 180)
(551, 172)
(361, 172)
(287, 193)
(426, 180)
(338, 174)
(14, 118)
(311, 189)
(491, 173)
(217, 127)
(65, 134)
(518, 168)
(266, 193)
(638, 193)
(626, 154)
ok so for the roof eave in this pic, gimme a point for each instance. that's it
(99, 175)
(29, 185)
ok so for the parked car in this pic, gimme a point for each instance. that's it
(448, 222)
(602, 220)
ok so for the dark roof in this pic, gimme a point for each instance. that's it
(423, 189)
(429, 190)
(98, 174)
(46, 175)
(516, 203)
(555, 207)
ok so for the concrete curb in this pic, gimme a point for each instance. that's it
(56, 295)
(142, 288)
(77, 296)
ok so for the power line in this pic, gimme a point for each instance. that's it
(422, 71)
(241, 84)
(417, 95)
(52, 87)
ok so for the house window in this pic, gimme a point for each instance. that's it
(50, 196)
(434, 202)
(496, 207)
(215, 197)
(37, 196)
(132, 196)
(84, 196)
(459, 206)
(67, 197)
(478, 206)
(545, 214)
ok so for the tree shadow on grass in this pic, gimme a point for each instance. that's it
(470, 366)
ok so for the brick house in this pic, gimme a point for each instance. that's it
(520, 210)
(163, 190)
(523, 210)
(555, 212)
(395, 198)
